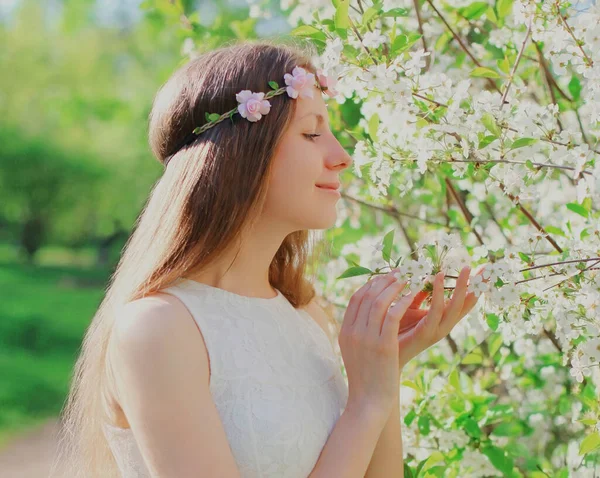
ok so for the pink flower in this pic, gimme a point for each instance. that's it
(300, 83)
(328, 82)
(252, 106)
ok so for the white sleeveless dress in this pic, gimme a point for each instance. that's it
(275, 379)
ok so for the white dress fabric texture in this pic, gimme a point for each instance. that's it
(275, 379)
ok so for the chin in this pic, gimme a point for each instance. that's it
(324, 219)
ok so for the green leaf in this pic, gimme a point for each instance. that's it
(410, 416)
(435, 471)
(576, 208)
(494, 343)
(590, 443)
(483, 72)
(213, 117)
(403, 42)
(524, 257)
(309, 31)
(419, 467)
(503, 64)
(355, 271)
(487, 140)
(490, 123)
(424, 424)
(555, 231)
(472, 428)
(521, 142)
(274, 85)
(408, 472)
(472, 359)
(369, 15)
(493, 321)
(498, 458)
(396, 12)
(504, 8)
(508, 429)
(342, 20)
(583, 234)
(454, 379)
(411, 384)
(575, 88)
(491, 14)
(388, 241)
(474, 11)
(373, 126)
(433, 459)
(443, 40)
(399, 44)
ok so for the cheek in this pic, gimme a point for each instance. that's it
(295, 169)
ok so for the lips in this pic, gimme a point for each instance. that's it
(333, 186)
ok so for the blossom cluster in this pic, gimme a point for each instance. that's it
(483, 151)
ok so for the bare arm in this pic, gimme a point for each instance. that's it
(350, 446)
(388, 459)
(161, 375)
(359, 442)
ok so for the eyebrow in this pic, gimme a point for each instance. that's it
(320, 117)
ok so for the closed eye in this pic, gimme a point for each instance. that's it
(311, 137)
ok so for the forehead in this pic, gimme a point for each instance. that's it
(311, 107)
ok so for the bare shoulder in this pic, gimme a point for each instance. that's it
(320, 316)
(149, 318)
(155, 328)
(161, 376)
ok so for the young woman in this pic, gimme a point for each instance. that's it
(209, 355)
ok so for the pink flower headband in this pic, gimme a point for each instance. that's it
(253, 106)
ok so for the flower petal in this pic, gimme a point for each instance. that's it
(265, 107)
(243, 96)
(292, 93)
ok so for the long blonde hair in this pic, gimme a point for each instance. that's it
(210, 191)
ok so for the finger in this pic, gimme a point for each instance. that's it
(411, 317)
(452, 314)
(433, 317)
(471, 299)
(362, 315)
(458, 296)
(380, 307)
(419, 298)
(354, 303)
(392, 319)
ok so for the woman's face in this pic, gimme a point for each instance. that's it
(300, 163)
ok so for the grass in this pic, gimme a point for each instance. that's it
(45, 310)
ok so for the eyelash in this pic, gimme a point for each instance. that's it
(311, 137)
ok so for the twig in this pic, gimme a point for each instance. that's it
(530, 217)
(463, 46)
(512, 73)
(420, 20)
(392, 210)
(589, 61)
(464, 209)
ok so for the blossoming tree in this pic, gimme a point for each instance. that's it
(474, 131)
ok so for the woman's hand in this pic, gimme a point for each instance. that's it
(421, 328)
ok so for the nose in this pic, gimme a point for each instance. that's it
(338, 157)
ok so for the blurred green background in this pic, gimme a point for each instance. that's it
(77, 84)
